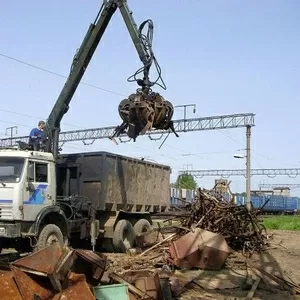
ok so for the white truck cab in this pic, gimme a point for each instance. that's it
(27, 185)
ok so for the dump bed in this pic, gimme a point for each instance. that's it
(114, 182)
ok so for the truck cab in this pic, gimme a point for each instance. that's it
(27, 187)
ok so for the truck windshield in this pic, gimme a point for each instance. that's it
(11, 169)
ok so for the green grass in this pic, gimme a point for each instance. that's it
(282, 222)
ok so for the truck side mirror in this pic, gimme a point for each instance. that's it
(30, 187)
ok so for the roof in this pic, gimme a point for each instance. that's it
(11, 152)
(281, 188)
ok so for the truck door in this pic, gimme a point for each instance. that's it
(38, 193)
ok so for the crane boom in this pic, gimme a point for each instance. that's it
(132, 110)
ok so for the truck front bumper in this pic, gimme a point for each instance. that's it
(10, 230)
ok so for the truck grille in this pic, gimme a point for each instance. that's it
(5, 212)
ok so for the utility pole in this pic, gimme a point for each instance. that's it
(184, 112)
(248, 168)
(246, 173)
(11, 132)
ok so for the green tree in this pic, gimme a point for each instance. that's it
(186, 181)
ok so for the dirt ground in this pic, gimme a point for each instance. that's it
(282, 259)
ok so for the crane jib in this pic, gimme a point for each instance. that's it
(141, 111)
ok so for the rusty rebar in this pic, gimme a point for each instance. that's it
(241, 228)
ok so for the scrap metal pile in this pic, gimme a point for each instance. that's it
(146, 273)
(52, 273)
(56, 273)
(240, 227)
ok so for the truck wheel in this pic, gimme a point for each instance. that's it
(124, 237)
(50, 234)
(142, 226)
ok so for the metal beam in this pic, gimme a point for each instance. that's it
(291, 172)
(182, 125)
(278, 185)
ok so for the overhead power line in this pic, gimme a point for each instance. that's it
(291, 172)
(58, 75)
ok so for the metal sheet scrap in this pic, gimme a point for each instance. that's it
(91, 263)
(8, 288)
(29, 288)
(79, 290)
(47, 274)
(42, 262)
(52, 262)
(199, 249)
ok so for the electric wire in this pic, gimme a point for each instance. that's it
(59, 75)
(29, 116)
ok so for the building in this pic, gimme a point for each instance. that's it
(282, 191)
(221, 186)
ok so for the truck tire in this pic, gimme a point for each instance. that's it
(124, 237)
(142, 226)
(49, 234)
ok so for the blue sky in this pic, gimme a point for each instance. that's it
(224, 56)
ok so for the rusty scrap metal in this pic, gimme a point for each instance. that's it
(8, 288)
(47, 274)
(97, 262)
(150, 285)
(145, 281)
(53, 262)
(30, 288)
(240, 227)
(132, 288)
(79, 290)
(143, 111)
(199, 249)
(42, 262)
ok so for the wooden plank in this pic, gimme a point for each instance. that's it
(253, 289)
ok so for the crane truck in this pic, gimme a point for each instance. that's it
(47, 197)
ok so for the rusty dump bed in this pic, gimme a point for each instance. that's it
(114, 182)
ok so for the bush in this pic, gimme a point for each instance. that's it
(282, 223)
